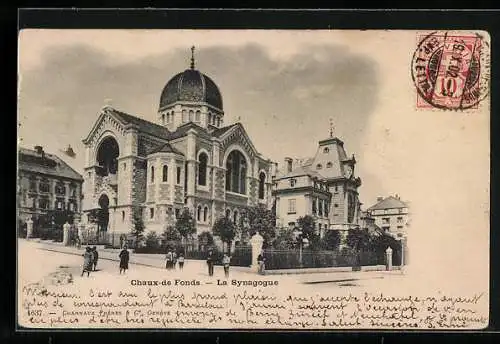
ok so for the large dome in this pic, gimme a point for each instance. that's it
(192, 86)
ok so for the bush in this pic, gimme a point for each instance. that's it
(152, 240)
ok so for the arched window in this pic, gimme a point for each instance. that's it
(228, 213)
(198, 116)
(184, 116)
(152, 174)
(209, 120)
(319, 167)
(262, 184)
(205, 214)
(202, 169)
(165, 173)
(235, 217)
(329, 165)
(219, 122)
(198, 217)
(214, 118)
(236, 172)
(191, 115)
(326, 150)
(163, 118)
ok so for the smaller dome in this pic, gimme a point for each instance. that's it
(193, 86)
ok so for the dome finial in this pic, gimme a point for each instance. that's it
(192, 57)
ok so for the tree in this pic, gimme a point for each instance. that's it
(152, 240)
(206, 238)
(307, 225)
(171, 237)
(225, 229)
(285, 240)
(331, 240)
(138, 229)
(358, 239)
(261, 220)
(185, 225)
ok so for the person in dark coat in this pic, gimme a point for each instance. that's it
(87, 261)
(261, 261)
(124, 257)
(210, 263)
(95, 257)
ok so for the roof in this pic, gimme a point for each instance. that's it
(302, 171)
(166, 148)
(144, 125)
(49, 164)
(221, 131)
(390, 202)
(183, 129)
(193, 86)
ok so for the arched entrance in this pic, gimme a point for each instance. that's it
(103, 214)
(107, 156)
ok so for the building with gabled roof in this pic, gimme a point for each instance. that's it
(46, 182)
(323, 186)
(391, 214)
(188, 158)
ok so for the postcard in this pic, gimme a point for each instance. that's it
(253, 179)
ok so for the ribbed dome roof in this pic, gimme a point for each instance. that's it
(193, 86)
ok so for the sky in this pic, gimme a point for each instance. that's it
(284, 86)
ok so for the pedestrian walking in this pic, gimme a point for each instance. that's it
(95, 257)
(210, 263)
(174, 259)
(124, 258)
(225, 262)
(87, 261)
(261, 261)
(181, 261)
(168, 260)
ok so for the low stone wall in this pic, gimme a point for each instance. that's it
(323, 270)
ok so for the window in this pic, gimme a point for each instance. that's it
(32, 184)
(235, 217)
(163, 118)
(336, 205)
(202, 169)
(314, 207)
(60, 188)
(236, 172)
(123, 216)
(43, 203)
(184, 116)
(291, 224)
(191, 115)
(198, 213)
(386, 220)
(59, 204)
(319, 167)
(198, 116)
(219, 121)
(400, 227)
(152, 174)
(71, 207)
(205, 214)
(228, 213)
(165, 173)
(326, 208)
(177, 213)
(336, 188)
(178, 175)
(400, 219)
(124, 166)
(262, 184)
(151, 213)
(44, 186)
(292, 182)
(214, 119)
(209, 120)
(320, 207)
(291, 206)
(326, 150)
(329, 165)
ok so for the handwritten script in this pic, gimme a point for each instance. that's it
(168, 307)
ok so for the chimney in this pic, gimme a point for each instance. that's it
(289, 164)
(379, 198)
(397, 196)
(39, 150)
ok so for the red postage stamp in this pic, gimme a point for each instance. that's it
(451, 70)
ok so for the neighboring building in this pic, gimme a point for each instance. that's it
(391, 214)
(46, 182)
(324, 186)
(187, 159)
